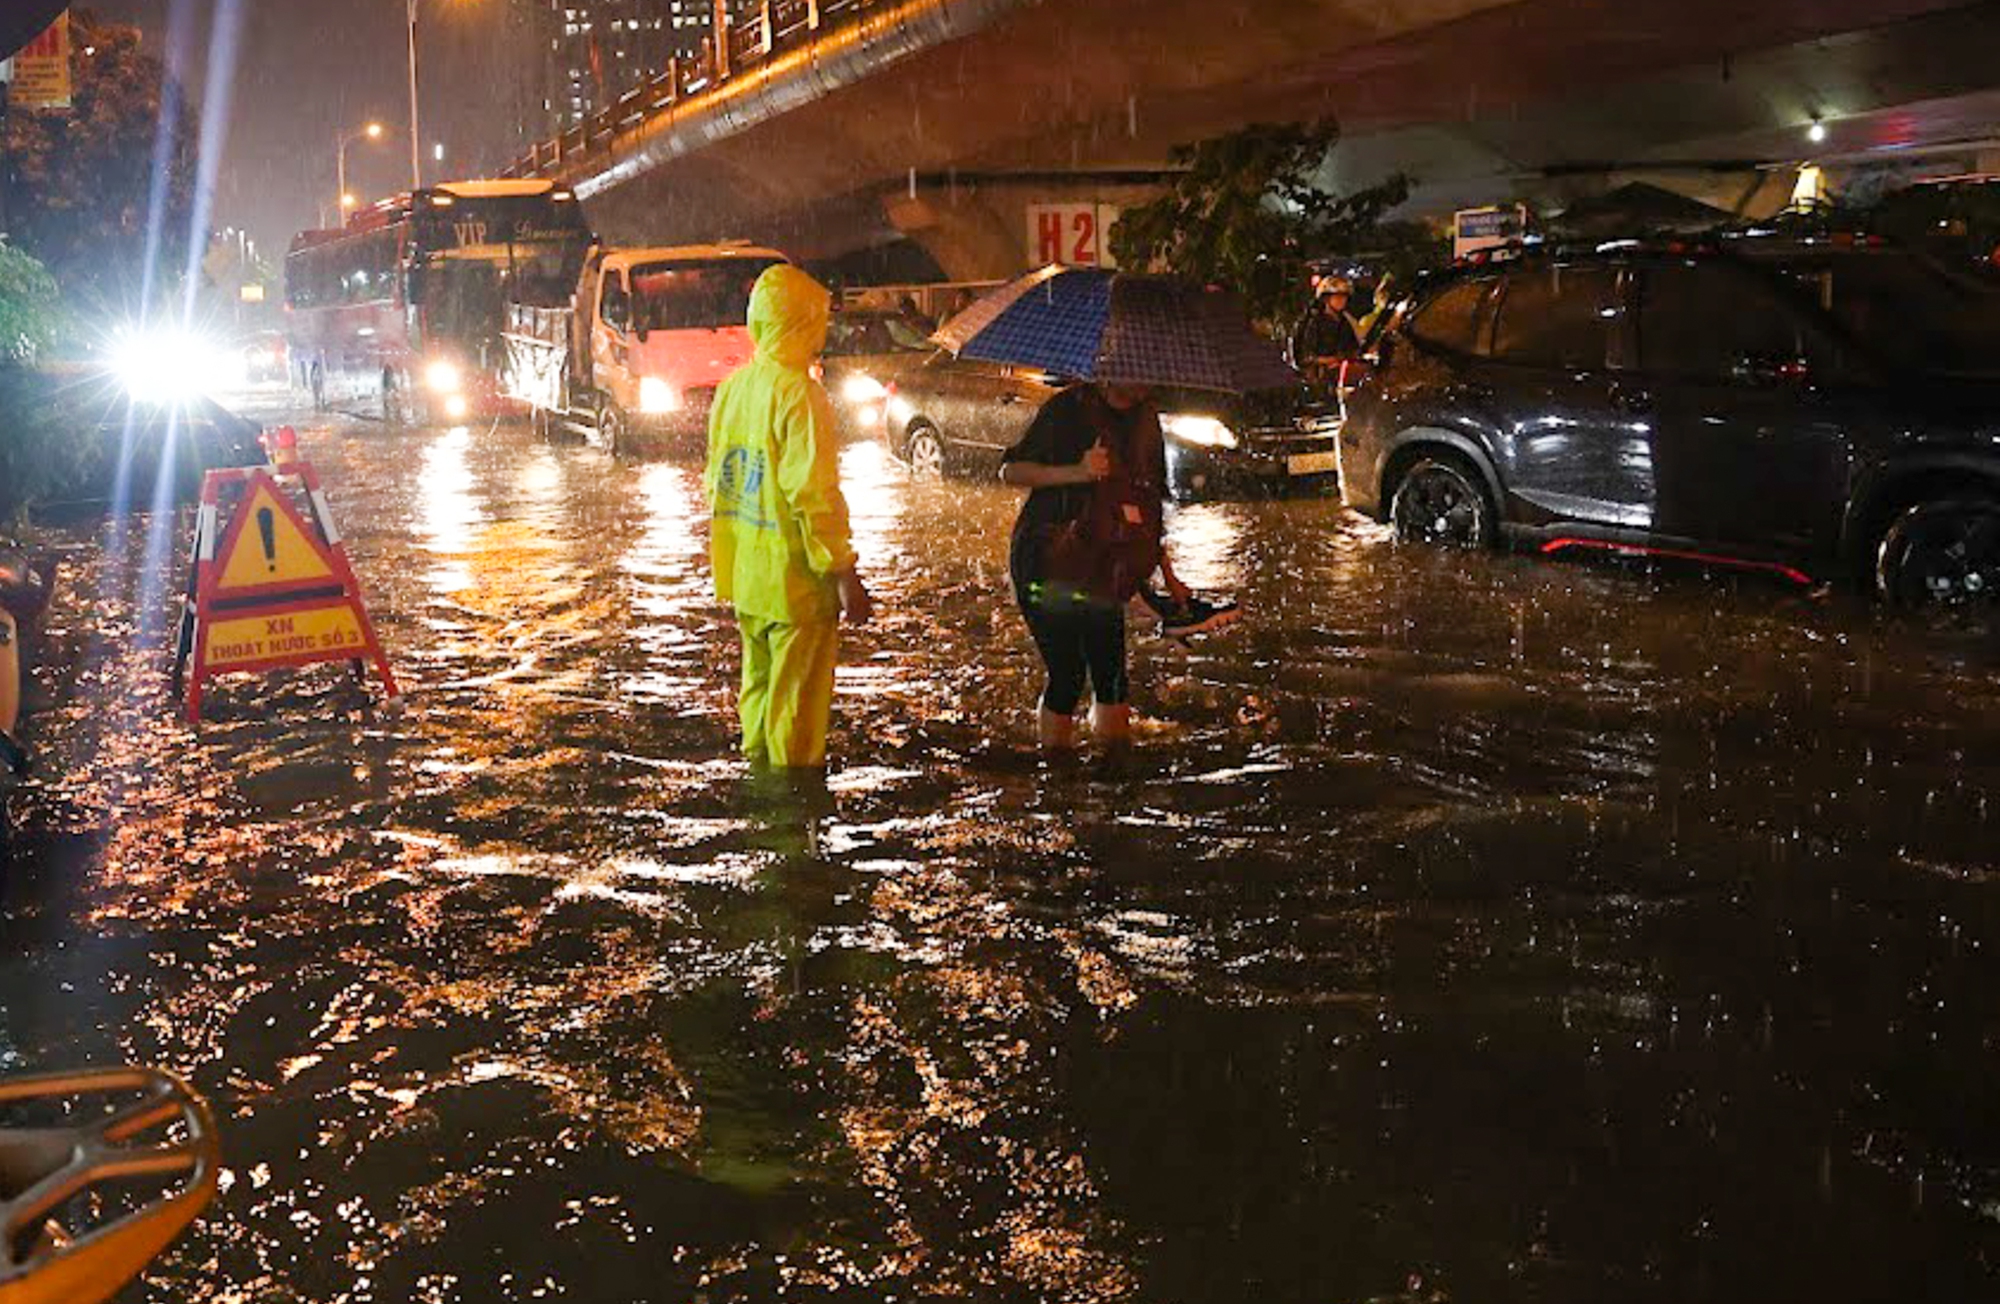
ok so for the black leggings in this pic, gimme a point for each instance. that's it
(1079, 641)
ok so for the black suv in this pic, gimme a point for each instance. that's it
(1813, 407)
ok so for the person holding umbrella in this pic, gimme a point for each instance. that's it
(1087, 540)
(1090, 537)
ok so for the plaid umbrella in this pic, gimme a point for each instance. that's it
(1119, 329)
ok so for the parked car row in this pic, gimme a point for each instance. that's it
(1811, 408)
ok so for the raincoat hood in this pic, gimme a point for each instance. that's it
(788, 316)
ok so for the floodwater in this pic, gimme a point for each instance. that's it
(1463, 928)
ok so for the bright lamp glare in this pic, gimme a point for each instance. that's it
(1816, 133)
(168, 367)
(1204, 431)
(859, 389)
(456, 407)
(656, 395)
(442, 377)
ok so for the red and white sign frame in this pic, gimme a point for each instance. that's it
(340, 592)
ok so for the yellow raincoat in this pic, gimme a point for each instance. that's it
(778, 531)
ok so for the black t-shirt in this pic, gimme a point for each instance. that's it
(1061, 433)
(1324, 335)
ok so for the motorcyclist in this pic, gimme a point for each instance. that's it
(1329, 334)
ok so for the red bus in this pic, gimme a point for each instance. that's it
(402, 309)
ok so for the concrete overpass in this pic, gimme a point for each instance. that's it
(832, 124)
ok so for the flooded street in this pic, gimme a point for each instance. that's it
(1464, 928)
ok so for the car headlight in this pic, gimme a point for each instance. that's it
(455, 407)
(1206, 432)
(859, 389)
(656, 395)
(443, 377)
(168, 367)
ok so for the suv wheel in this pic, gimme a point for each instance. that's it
(1944, 553)
(1438, 502)
(925, 452)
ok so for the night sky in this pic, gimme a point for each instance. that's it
(308, 68)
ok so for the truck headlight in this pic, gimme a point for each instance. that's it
(1204, 432)
(656, 395)
(443, 377)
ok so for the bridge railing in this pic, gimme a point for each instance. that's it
(766, 27)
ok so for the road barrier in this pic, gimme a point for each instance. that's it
(265, 589)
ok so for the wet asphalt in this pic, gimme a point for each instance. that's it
(1462, 928)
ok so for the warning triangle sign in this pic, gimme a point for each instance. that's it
(268, 546)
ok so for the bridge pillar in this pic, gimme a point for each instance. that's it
(965, 237)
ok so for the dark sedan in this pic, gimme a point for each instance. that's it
(866, 352)
(1813, 408)
(953, 416)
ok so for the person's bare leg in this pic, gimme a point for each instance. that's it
(1111, 724)
(1056, 731)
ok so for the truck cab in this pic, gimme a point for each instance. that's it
(648, 336)
(665, 325)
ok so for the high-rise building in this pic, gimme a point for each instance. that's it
(596, 50)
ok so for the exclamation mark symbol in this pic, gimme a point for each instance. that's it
(267, 530)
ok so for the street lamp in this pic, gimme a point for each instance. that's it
(373, 131)
(416, 135)
(416, 160)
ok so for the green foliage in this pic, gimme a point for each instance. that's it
(34, 455)
(1248, 215)
(29, 307)
(83, 179)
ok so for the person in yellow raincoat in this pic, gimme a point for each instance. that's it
(778, 535)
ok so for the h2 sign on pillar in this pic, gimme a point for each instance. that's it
(1074, 235)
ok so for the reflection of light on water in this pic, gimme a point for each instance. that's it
(671, 538)
(448, 514)
(541, 484)
(877, 491)
(493, 863)
(1205, 544)
(669, 583)
(656, 887)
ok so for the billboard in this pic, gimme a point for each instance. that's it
(41, 69)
